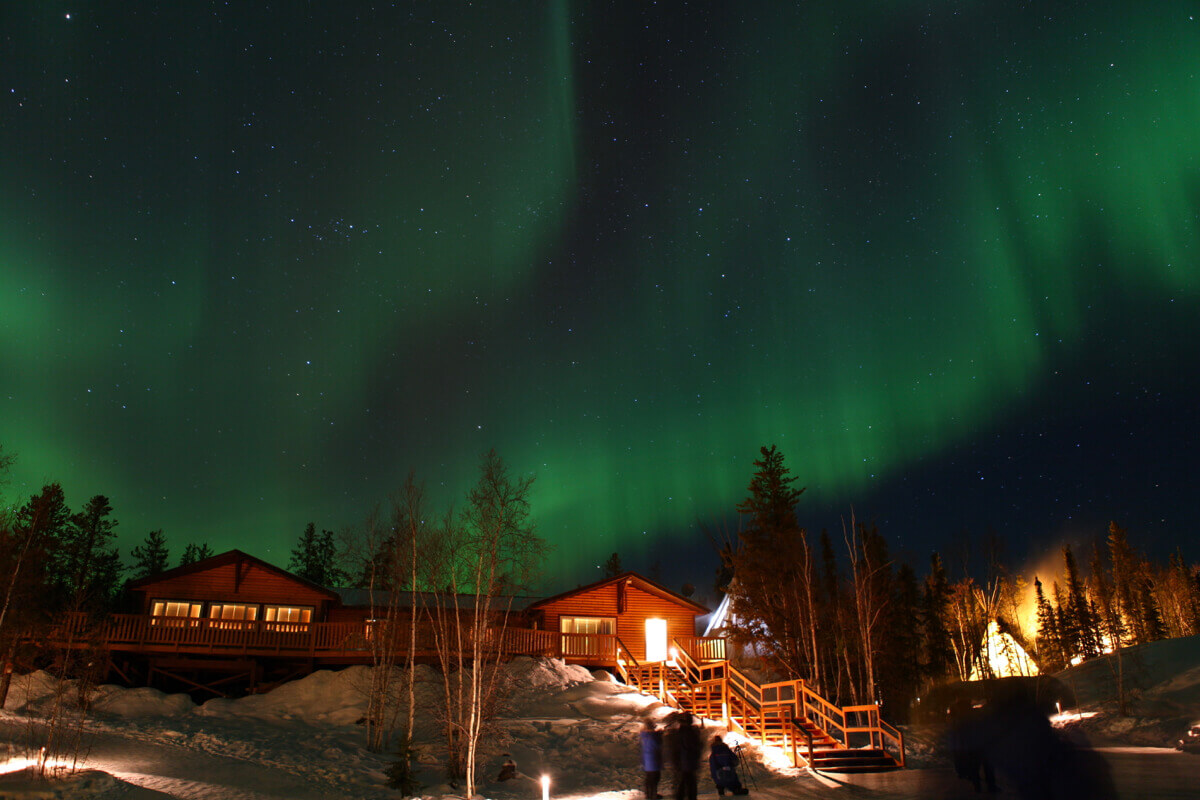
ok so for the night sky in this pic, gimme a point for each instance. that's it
(258, 261)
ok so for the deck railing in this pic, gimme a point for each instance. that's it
(135, 632)
(748, 707)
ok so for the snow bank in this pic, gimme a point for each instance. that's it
(29, 689)
(560, 720)
(85, 784)
(1160, 671)
(333, 698)
(1162, 685)
(141, 702)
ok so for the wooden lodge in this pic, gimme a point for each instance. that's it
(234, 619)
(237, 614)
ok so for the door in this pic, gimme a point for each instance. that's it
(656, 640)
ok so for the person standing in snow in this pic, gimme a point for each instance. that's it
(652, 742)
(685, 755)
(722, 762)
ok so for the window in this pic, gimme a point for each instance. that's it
(231, 615)
(178, 611)
(584, 636)
(289, 619)
(603, 625)
(175, 608)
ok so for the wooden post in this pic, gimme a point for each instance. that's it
(6, 681)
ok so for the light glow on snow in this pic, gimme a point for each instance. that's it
(1005, 655)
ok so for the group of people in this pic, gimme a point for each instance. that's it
(680, 747)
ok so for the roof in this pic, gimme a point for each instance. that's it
(364, 598)
(229, 557)
(642, 583)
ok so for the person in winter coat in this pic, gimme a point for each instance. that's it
(722, 762)
(685, 754)
(652, 742)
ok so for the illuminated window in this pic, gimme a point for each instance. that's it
(601, 625)
(300, 614)
(232, 611)
(583, 636)
(175, 608)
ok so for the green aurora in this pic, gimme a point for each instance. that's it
(254, 269)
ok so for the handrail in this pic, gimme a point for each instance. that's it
(623, 652)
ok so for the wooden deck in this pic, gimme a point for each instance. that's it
(789, 714)
(323, 642)
(697, 676)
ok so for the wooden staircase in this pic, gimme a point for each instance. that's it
(790, 715)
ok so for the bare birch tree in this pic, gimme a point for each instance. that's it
(871, 597)
(487, 554)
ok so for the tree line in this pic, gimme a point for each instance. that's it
(449, 575)
(860, 626)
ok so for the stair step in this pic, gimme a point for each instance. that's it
(866, 760)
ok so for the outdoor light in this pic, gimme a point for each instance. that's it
(545, 787)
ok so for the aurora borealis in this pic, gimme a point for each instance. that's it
(257, 263)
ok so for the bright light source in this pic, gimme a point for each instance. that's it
(16, 764)
(545, 787)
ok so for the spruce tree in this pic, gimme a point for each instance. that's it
(85, 563)
(1151, 616)
(1124, 576)
(193, 553)
(315, 558)
(901, 670)
(1083, 623)
(151, 557)
(612, 567)
(773, 594)
(937, 647)
(1050, 651)
(1106, 602)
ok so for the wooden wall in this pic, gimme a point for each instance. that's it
(222, 583)
(640, 605)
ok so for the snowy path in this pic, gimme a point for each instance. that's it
(188, 773)
(1137, 773)
(193, 775)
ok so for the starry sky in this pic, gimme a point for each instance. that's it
(258, 261)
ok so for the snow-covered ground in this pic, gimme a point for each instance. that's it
(303, 741)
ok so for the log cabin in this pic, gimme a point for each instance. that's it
(627, 611)
(236, 619)
(237, 622)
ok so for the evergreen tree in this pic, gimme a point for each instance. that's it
(612, 567)
(1050, 651)
(901, 672)
(1085, 637)
(773, 593)
(151, 557)
(23, 545)
(1066, 624)
(195, 552)
(937, 647)
(315, 558)
(45, 515)
(1184, 587)
(1151, 616)
(85, 565)
(1124, 576)
(1106, 602)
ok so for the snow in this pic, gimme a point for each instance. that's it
(1162, 682)
(304, 740)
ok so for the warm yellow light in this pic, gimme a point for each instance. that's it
(545, 787)
(16, 764)
(1004, 655)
